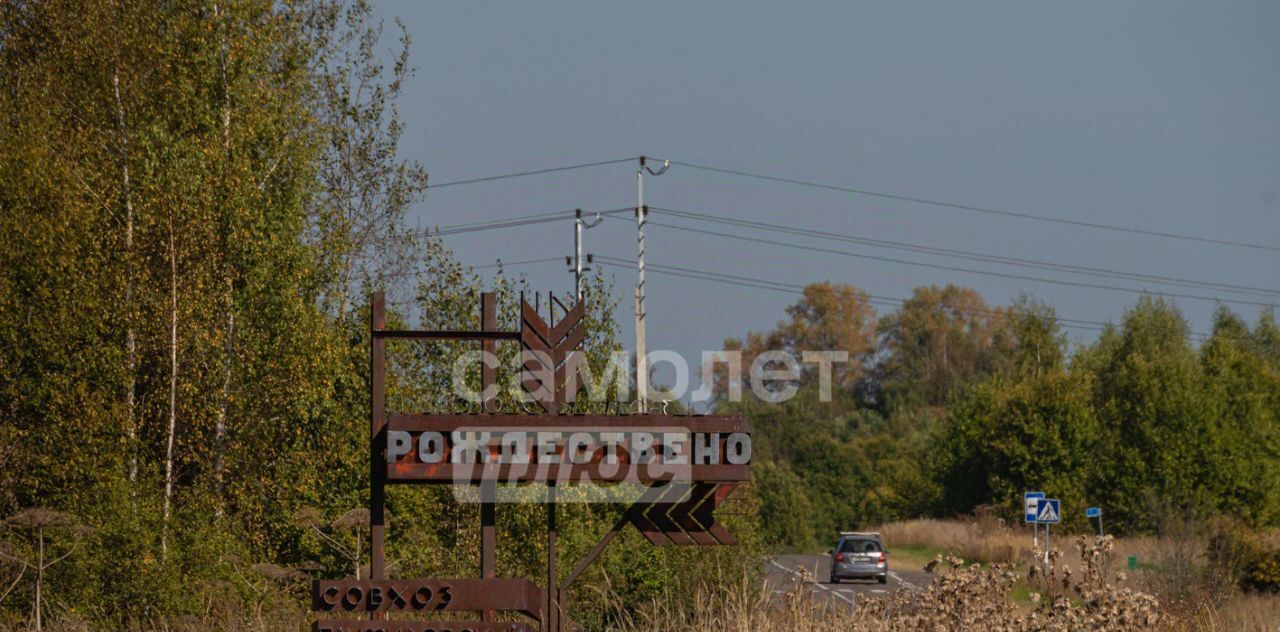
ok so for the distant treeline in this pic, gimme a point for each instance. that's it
(954, 405)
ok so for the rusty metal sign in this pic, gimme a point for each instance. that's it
(463, 449)
(549, 356)
(683, 516)
(689, 465)
(427, 595)
(339, 625)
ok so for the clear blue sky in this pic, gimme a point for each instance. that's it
(1156, 114)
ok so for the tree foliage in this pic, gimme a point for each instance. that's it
(966, 406)
(196, 197)
(195, 200)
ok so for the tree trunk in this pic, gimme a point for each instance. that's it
(130, 341)
(39, 578)
(173, 390)
(220, 426)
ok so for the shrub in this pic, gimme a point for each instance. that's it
(1249, 558)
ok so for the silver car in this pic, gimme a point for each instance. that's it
(859, 555)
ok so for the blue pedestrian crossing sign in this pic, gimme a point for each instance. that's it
(1093, 512)
(1048, 511)
(1030, 500)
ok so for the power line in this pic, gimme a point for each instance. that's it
(798, 289)
(511, 264)
(740, 280)
(536, 172)
(846, 253)
(973, 256)
(792, 288)
(413, 272)
(835, 236)
(441, 231)
(457, 230)
(789, 288)
(510, 222)
(972, 208)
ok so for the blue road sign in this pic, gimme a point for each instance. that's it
(1029, 500)
(1093, 512)
(1048, 511)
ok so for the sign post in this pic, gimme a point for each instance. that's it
(1048, 512)
(1095, 512)
(1029, 501)
(688, 465)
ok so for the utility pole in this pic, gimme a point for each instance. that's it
(642, 363)
(575, 261)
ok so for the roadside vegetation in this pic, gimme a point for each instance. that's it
(1199, 581)
(196, 199)
(998, 586)
(956, 408)
(963, 595)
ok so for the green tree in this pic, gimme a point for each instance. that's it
(1158, 449)
(1006, 437)
(786, 516)
(1245, 433)
(154, 219)
(939, 340)
(827, 318)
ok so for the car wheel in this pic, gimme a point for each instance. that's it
(883, 579)
(834, 580)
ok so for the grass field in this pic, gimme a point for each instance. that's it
(981, 579)
(1174, 569)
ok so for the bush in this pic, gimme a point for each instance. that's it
(961, 596)
(1249, 558)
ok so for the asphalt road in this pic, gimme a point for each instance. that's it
(786, 573)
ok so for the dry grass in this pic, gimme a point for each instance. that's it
(984, 540)
(1174, 568)
(990, 540)
(962, 596)
(973, 585)
(1252, 613)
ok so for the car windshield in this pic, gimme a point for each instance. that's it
(860, 546)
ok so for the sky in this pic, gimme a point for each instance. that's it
(1160, 115)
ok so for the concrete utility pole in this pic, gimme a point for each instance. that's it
(642, 363)
(575, 261)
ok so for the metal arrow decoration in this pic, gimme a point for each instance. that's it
(550, 358)
(683, 515)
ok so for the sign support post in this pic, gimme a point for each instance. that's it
(690, 463)
(488, 490)
(553, 594)
(377, 431)
(1095, 512)
(1048, 512)
(1030, 503)
(1046, 552)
